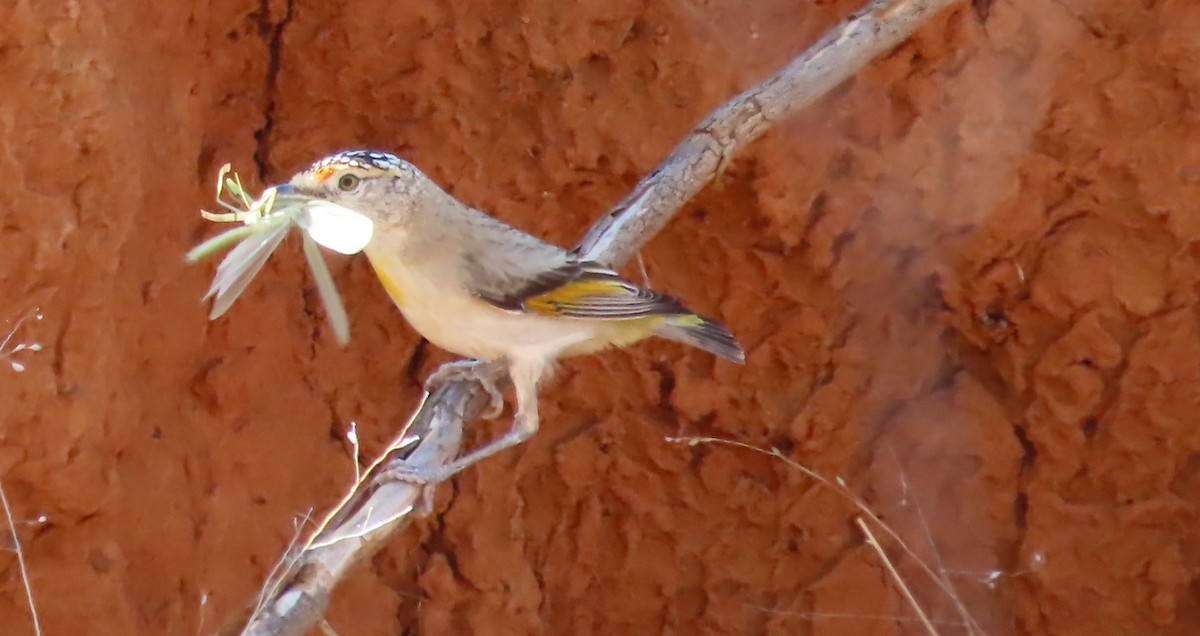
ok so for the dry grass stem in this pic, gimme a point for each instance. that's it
(943, 574)
(20, 552)
(839, 486)
(887, 563)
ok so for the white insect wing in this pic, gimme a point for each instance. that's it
(340, 229)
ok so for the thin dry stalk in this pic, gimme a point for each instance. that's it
(854, 617)
(944, 577)
(12, 526)
(285, 560)
(7, 352)
(202, 609)
(350, 533)
(887, 563)
(839, 486)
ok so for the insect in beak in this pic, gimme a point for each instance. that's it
(265, 221)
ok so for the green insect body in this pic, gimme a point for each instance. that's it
(263, 229)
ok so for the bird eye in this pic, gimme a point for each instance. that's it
(347, 182)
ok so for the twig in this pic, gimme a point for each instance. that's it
(285, 560)
(6, 352)
(298, 600)
(852, 616)
(840, 487)
(352, 436)
(947, 584)
(366, 517)
(887, 563)
(642, 268)
(12, 526)
(203, 606)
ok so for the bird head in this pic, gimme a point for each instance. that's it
(378, 185)
(349, 196)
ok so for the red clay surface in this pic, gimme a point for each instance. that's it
(966, 282)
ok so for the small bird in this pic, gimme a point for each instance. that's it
(479, 288)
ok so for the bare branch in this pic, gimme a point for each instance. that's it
(370, 514)
(376, 508)
(705, 153)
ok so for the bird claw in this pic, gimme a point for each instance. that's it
(469, 370)
(495, 404)
(410, 474)
(525, 421)
(422, 476)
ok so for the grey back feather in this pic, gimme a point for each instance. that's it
(508, 268)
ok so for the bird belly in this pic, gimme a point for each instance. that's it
(460, 322)
(471, 327)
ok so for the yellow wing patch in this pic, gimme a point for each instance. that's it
(549, 302)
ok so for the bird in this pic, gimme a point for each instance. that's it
(477, 287)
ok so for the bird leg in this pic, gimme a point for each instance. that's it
(525, 375)
(469, 370)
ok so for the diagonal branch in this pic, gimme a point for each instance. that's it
(376, 508)
(705, 153)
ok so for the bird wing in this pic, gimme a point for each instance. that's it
(519, 272)
(576, 289)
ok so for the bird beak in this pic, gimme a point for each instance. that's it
(286, 192)
(289, 191)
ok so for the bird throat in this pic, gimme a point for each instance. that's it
(386, 269)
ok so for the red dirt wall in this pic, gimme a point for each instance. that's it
(967, 283)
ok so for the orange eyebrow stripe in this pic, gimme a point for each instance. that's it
(324, 173)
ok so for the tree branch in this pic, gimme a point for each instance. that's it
(705, 153)
(377, 508)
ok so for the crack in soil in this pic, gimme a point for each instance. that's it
(273, 34)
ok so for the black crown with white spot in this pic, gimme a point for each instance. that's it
(360, 159)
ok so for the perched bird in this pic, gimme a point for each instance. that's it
(477, 287)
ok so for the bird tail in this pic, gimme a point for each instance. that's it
(703, 334)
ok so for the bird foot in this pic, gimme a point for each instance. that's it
(469, 370)
(418, 475)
